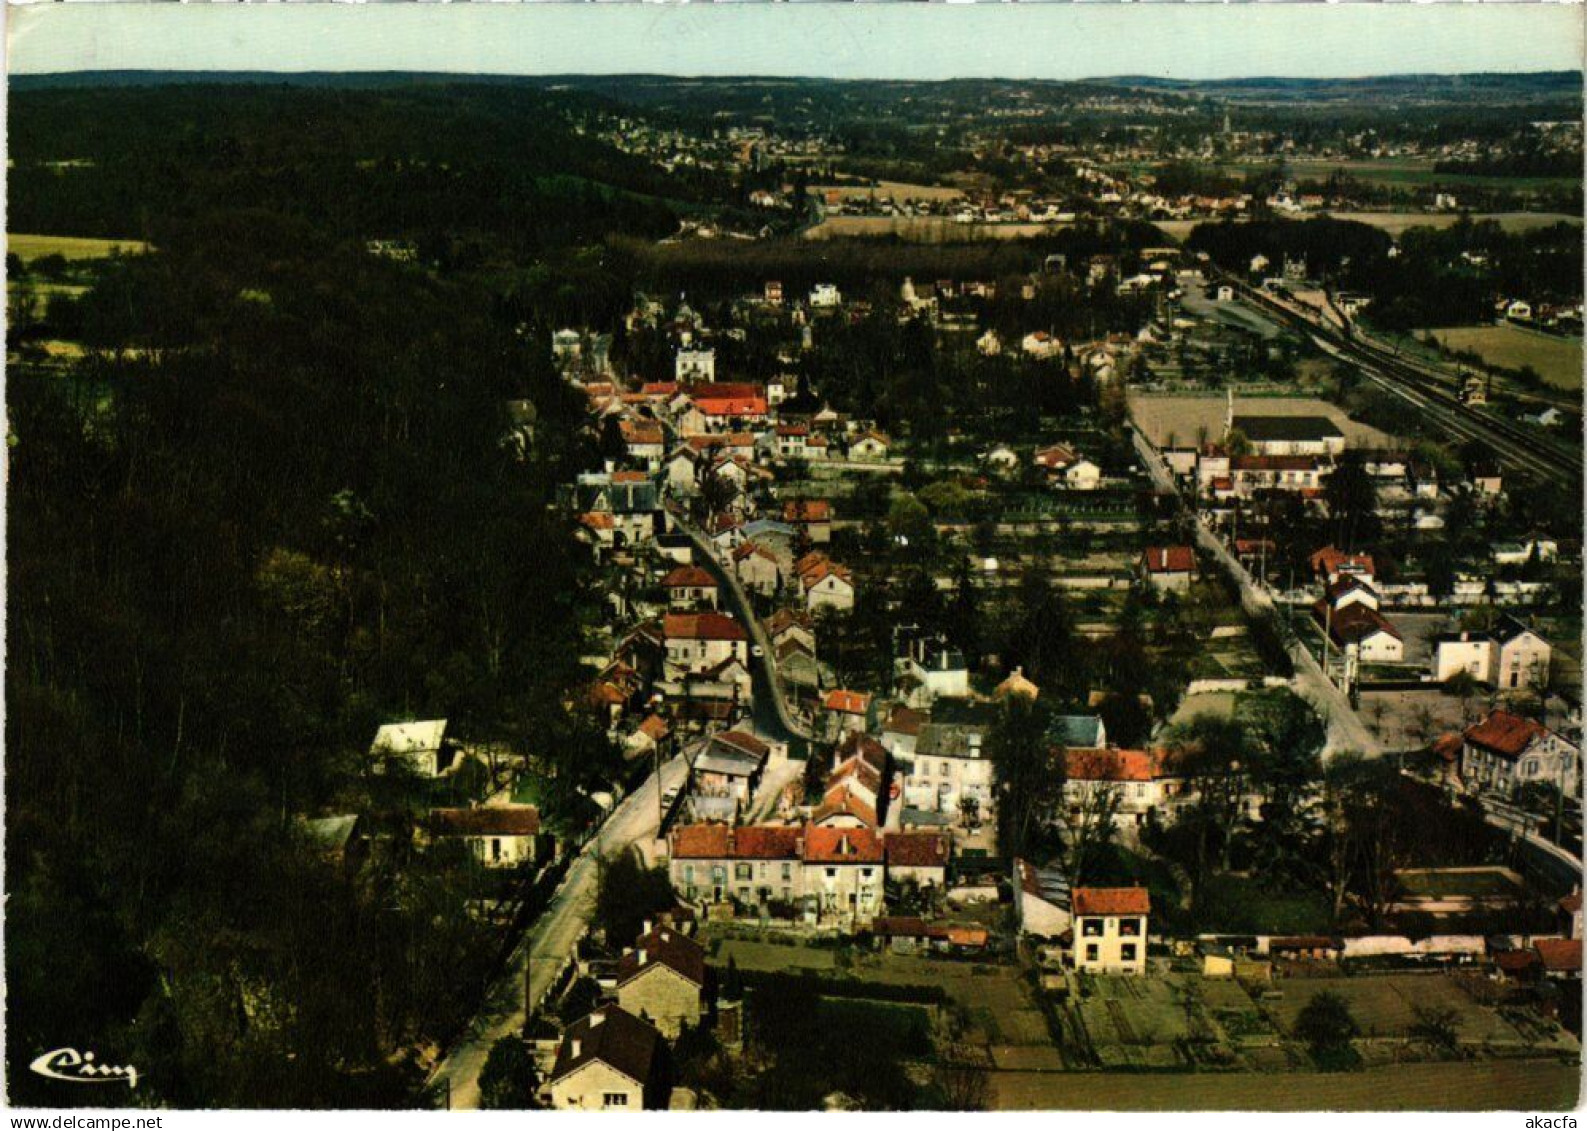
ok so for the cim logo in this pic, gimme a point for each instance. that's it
(79, 1068)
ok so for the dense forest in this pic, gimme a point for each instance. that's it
(274, 509)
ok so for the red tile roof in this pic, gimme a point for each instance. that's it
(1093, 764)
(843, 846)
(1504, 733)
(702, 626)
(1562, 956)
(1170, 559)
(1353, 623)
(487, 820)
(840, 800)
(847, 702)
(1112, 901)
(917, 850)
(807, 510)
(688, 577)
(731, 406)
(1329, 559)
(750, 842)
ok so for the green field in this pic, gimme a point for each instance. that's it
(1406, 173)
(1532, 1085)
(1557, 360)
(29, 247)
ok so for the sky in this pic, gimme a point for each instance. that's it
(878, 40)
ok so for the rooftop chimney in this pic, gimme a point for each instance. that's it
(647, 927)
(642, 956)
(577, 1044)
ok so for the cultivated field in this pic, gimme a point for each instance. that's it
(68, 247)
(1536, 1085)
(923, 229)
(1557, 360)
(1396, 222)
(1182, 417)
(1384, 1006)
(889, 190)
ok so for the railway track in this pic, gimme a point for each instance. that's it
(1429, 390)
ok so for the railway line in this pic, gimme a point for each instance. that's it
(1428, 390)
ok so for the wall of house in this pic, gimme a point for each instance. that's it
(664, 996)
(1102, 945)
(706, 881)
(1473, 656)
(1381, 649)
(1523, 662)
(593, 1087)
(844, 891)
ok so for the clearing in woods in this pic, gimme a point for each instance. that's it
(68, 247)
(1557, 360)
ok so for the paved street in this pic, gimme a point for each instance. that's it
(1346, 731)
(547, 943)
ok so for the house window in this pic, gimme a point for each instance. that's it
(787, 870)
(495, 848)
(688, 873)
(865, 873)
(832, 873)
(1130, 928)
(718, 873)
(1127, 952)
(1091, 928)
(1531, 767)
(1091, 952)
(614, 1099)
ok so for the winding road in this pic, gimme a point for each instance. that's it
(547, 945)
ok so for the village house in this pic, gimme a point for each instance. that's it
(1509, 655)
(1506, 751)
(609, 1061)
(846, 711)
(1169, 568)
(870, 446)
(931, 663)
(662, 979)
(1110, 929)
(1329, 564)
(646, 442)
(422, 745)
(855, 792)
(813, 516)
(1290, 435)
(728, 768)
(630, 500)
(1364, 634)
(1082, 475)
(1041, 900)
(844, 874)
(690, 587)
(698, 641)
(694, 367)
(948, 767)
(918, 858)
(756, 568)
(825, 583)
(1144, 781)
(498, 836)
(1041, 345)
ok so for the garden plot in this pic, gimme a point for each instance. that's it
(1384, 1006)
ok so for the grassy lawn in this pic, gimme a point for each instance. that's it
(1239, 904)
(1557, 360)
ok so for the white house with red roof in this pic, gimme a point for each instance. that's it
(696, 642)
(1110, 926)
(1505, 751)
(825, 583)
(1170, 568)
(1146, 781)
(689, 587)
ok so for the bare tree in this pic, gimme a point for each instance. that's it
(1089, 828)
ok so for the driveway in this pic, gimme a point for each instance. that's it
(545, 948)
